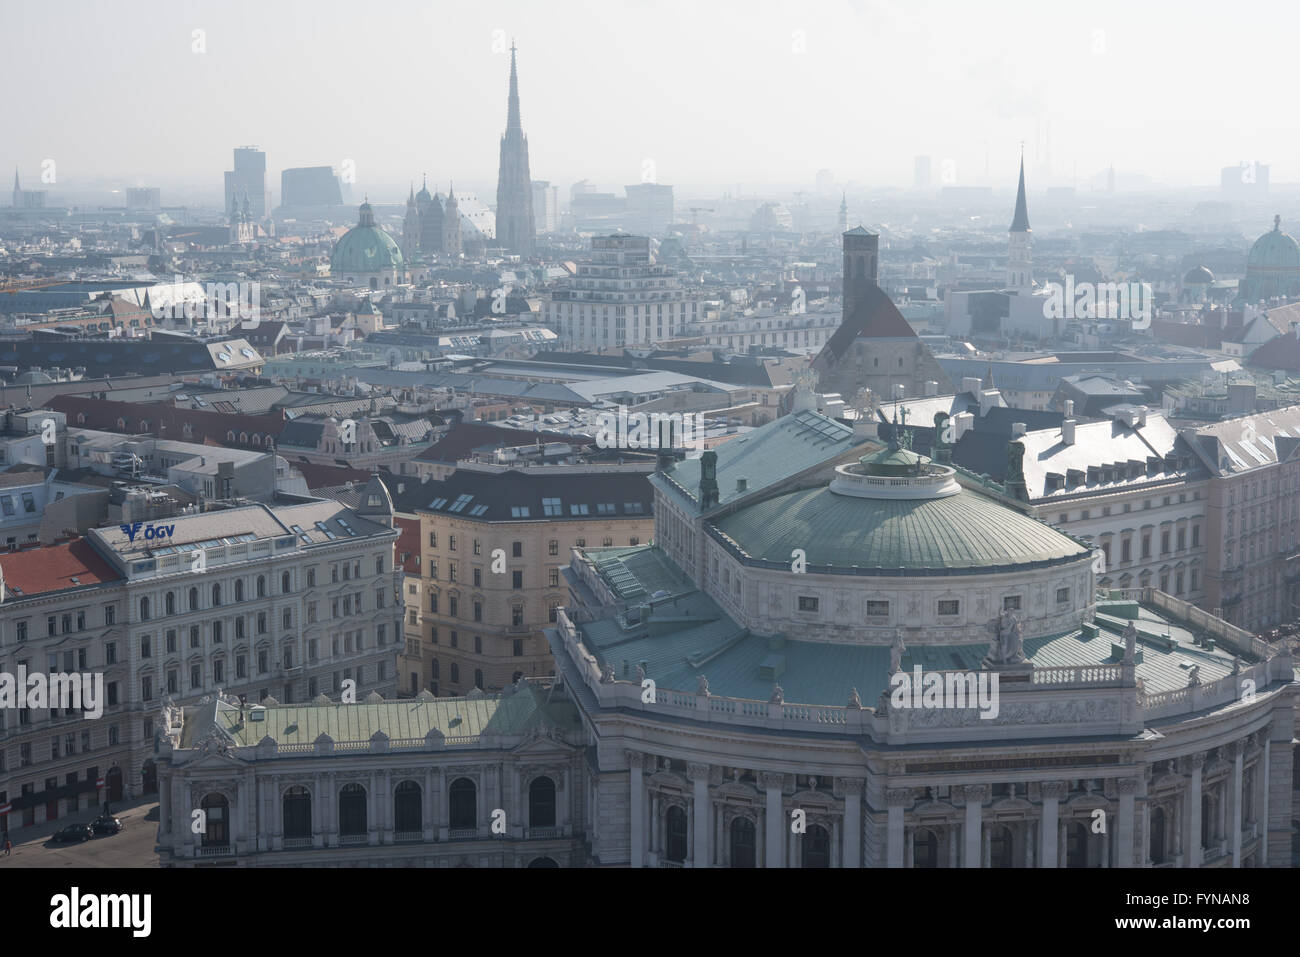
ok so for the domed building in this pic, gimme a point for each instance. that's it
(1272, 268)
(836, 653)
(1196, 285)
(798, 637)
(367, 255)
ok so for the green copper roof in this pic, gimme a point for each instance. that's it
(365, 249)
(405, 718)
(963, 531)
(890, 461)
(688, 635)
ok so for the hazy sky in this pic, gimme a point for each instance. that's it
(713, 94)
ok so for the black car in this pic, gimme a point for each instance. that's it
(107, 825)
(74, 834)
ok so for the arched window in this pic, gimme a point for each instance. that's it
(261, 586)
(462, 804)
(541, 803)
(743, 844)
(925, 849)
(1001, 847)
(144, 609)
(230, 436)
(285, 582)
(194, 599)
(352, 810)
(239, 590)
(436, 669)
(675, 835)
(816, 847)
(216, 595)
(1157, 852)
(543, 862)
(407, 808)
(297, 813)
(216, 818)
(169, 603)
(455, 673)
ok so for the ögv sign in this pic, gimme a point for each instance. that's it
(133, 529)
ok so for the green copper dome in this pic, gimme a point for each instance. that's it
(891, 460)
(365, 248)
(1273, 266)
(963, 533)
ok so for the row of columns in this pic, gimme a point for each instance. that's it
(776, 842)
(1130, 848)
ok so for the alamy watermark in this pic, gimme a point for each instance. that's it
(81, 692)
(1105, 300)
(946, 689)
(652, 430)
(221, 300)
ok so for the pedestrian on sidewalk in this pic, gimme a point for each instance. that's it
(8, 844)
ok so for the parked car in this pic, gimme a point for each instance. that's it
(107, 825)
(74, 834)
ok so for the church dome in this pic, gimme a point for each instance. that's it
(365, 248)
(1272, 268)
(1198, 276)
(1274, 250)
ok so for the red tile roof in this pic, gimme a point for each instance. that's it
(51, 568)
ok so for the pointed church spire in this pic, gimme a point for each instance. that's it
(1020, 223)
(512, 111)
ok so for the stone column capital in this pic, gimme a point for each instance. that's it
(1234, 749)
(971, 794)
(1196, 760)
(1054, 790)
(698, 772)
(897, 797)
(635, 759)
(1126, 786)
(847, 786)
(771, 779)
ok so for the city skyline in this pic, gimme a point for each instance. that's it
(771, 86)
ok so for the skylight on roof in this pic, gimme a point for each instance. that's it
(478, 510)
(301, 534)
(460, 503)
(328, 534)
(438, 503)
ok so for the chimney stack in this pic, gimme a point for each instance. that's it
(1067, 431)
(1017, 429)
(1069, 408)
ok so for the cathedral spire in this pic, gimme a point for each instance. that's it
(515, 223)
(1020, 222)
(513, 122)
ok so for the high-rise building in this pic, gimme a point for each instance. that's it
(249, 177)
(921, 172)
(546, 206)
(649, 208)
(515, 223)
(309, 186)
(144, 197)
